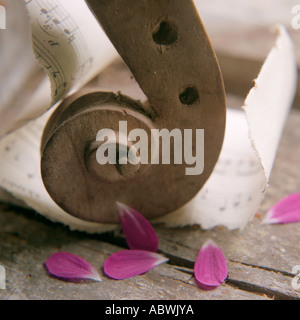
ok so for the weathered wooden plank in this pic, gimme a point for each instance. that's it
(26, 241)
(271, 283)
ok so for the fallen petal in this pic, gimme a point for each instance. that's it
(138, 231)
(210, 267)
(130, 263)
(287, 210)
(68, 266)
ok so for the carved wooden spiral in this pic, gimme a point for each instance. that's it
(166, 48)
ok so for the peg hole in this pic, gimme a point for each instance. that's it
(189, 96)
(165, 33)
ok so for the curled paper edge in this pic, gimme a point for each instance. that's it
(281, 61)
(265, 111)
(61, 63)
(211, 206)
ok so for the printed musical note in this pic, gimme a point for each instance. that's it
(55, 73)
(47, 26)
(247, 166)
(53, 43)
(45, 11)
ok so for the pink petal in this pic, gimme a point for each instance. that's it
(138, 231)
(68, 266)
(130, 263)
(210, 267)
(287, 210)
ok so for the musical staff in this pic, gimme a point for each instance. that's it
(246, 165)
(59, 45)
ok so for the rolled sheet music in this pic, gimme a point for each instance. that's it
(66, 39)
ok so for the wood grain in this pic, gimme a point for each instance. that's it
(182, 81)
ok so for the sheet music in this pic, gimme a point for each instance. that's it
(69, 45)
(234, 191)
(236, 188)
(18, 67)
